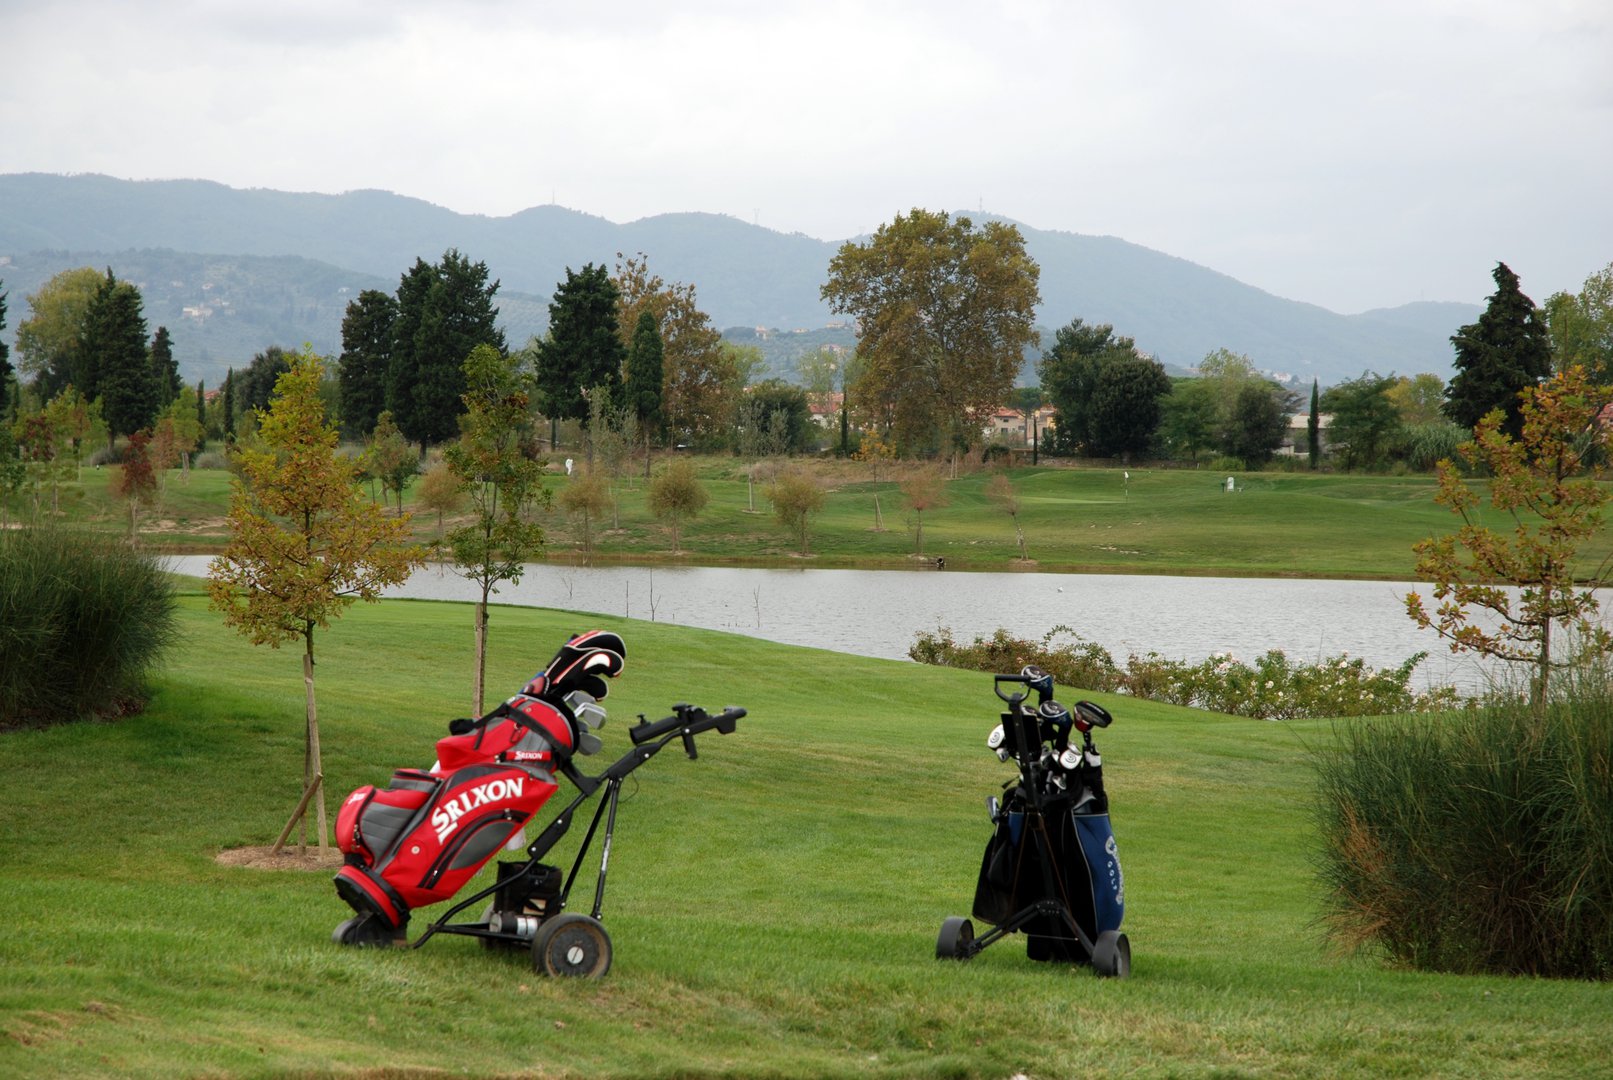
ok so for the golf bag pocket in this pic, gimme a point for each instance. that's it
(994, 891)
(1097, 838)
(467, 820)
(371, 819)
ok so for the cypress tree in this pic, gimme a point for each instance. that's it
(115, 352)
(1313, 428)
(1504, 353)
(164, 368)
(583, 348)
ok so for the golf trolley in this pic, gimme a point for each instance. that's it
(1051, 868)
(424, 836)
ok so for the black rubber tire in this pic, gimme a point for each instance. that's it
(571, 945)
(957, 933)
(364, 931)
(1111, 955)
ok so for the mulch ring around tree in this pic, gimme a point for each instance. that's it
(287, 858)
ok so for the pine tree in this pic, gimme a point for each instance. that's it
(1507, 351)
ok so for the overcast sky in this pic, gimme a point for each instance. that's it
(1353, 155)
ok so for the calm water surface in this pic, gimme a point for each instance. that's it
(878, 612)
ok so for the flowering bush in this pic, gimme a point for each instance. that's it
(1272, 688)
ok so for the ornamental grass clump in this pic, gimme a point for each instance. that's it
(83, 620)
(1479, 840)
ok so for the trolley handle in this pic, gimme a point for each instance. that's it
(688, 721)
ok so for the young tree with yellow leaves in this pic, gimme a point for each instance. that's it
(1543, 482)
(304, 544)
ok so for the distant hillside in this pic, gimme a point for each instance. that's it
(288, 263)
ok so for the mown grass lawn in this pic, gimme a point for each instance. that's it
(773, 905)
(1143, 520)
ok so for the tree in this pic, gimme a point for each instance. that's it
(676, 494)
(444, 312)
(440, 493)
(50, 341)
(1365, 421)
(796, 495)
(774, 418)
(1070, 371)
(75, 421)
(1497, 358)
(116, 365)
(586, 499)
(136, 482)
(1313, 428)
(1418, 399)
(1542, 481)
(697, 374)
(1000, 490)
(256, 385)
(1258, 423)
(304, 544)
(500, 476)
(389, 458)
(583, 351)
(924, 489)
(1126, 405)
(7, 404)
(226, 403)
(164, 368)
(1190, 418)
(368, 331)
(186, 430)
(946, 313)
(1580, 326)
(645, 378)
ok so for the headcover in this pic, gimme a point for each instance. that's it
(583, 663)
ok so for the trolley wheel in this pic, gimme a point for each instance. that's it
(1111, 955)
(956, 939)
(574, 945)
(366, 930)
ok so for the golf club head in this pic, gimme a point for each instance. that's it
(1039, 681)
(1088, 716)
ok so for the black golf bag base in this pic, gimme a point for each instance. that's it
(1109, 956)
(369, 925)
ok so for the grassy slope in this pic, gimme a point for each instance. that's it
(773, 905)
(1160, 521)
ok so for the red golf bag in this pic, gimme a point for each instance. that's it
(422, 837)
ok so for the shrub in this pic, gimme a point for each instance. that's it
(83, 621)
(1273, 688)
(1079, 663)
(1476, 841)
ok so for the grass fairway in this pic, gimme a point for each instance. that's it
(1166, 521)
(773, 905)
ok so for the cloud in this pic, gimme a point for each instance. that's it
(1352, 155)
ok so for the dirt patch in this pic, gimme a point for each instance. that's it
(287, 858)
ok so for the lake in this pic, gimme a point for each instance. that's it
(878, 612)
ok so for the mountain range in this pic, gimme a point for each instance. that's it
(231, 271)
